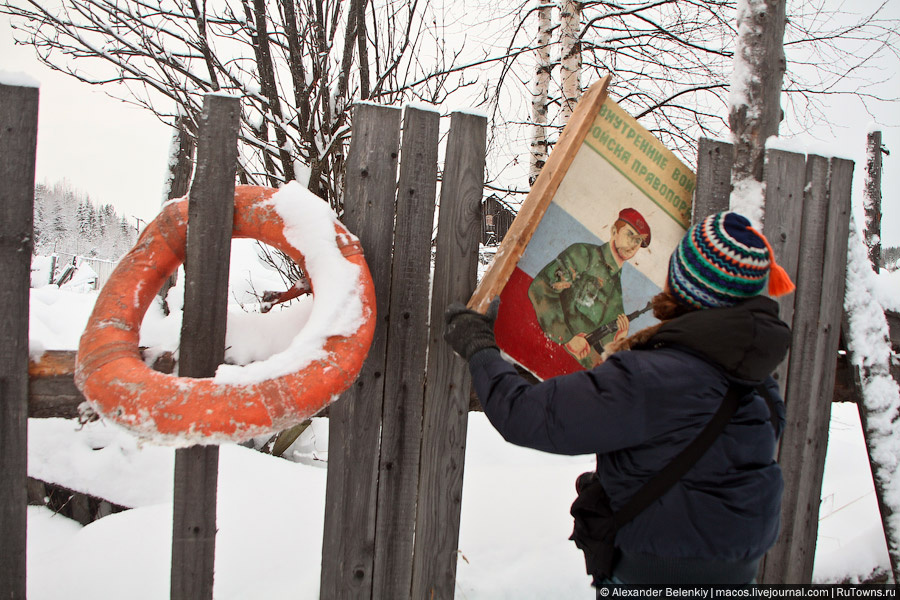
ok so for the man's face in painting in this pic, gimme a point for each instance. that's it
(626, 242)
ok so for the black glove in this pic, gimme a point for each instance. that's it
(468, 331)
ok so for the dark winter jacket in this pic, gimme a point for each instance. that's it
(638, 409)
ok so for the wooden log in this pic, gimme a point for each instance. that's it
(445, 419)
(872, 199)
(404, 378)
(210, 218)
(817, 317)
(18, 143)
(355, 423)
(72, 504)
(713, 190)
(51, 386)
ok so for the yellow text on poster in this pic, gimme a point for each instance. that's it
(643, 160)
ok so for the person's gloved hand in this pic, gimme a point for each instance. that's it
(468, 331)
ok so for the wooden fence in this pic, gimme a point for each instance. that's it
(397, 445)
(807, 222)
(397, 439)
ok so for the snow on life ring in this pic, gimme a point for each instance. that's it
(241, 402)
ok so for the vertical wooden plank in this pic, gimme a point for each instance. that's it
(404, 381)
(355, 418)
(713, 189)
(830, 311)
(816, 324)
(785, 179)
(210, 217)
(18, 143)
(448, 383)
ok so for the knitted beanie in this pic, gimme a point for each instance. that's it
(722, 261)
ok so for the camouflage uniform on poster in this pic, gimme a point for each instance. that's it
(577, 293)
(581, 290)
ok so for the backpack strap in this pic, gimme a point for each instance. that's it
(682, 463)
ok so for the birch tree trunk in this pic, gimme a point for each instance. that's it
(755, 106)
(541, 91)
(570, 56)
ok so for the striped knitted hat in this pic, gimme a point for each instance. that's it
(721, 261)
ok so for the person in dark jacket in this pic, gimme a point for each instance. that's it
(651, 397)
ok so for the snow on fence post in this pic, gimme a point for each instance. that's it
(210, 218)
(448, 384)
(18, 143)
(868, 369)
(355, 418)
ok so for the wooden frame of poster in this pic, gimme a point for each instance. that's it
(590, 245)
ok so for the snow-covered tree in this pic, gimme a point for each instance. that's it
(67, 221)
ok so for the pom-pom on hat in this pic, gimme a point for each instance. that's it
(722, 261)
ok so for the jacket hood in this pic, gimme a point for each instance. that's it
(747, 340)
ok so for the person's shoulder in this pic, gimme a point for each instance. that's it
(663, 362)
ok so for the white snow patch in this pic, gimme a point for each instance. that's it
(18, 79)
(337, 310)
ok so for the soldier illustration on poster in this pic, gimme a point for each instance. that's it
(580, 291)
(598, 234)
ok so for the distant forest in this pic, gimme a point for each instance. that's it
(890, 258)
(66, 221)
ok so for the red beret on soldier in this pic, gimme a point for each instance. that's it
(636, 220)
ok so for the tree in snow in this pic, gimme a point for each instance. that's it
(539, 107)
(296, 64)
(67, 221)
(755, 103)
(672, 64)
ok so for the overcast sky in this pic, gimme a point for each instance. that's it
(116, 153)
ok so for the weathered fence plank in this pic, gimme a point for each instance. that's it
(785, 180)
(446, 415)
(713, 189)
(18, 143)
(355, 418)
(816, 324)
(404, 381)
(202, 348)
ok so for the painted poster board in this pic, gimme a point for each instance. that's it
(591, 242)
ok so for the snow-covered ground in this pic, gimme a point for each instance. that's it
(515, 522)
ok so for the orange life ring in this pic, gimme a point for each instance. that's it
(182, 410)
